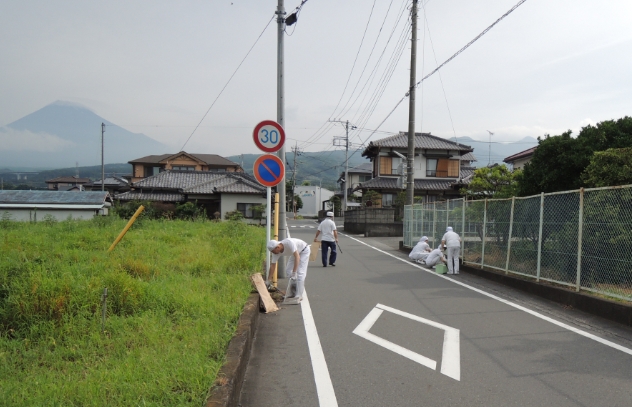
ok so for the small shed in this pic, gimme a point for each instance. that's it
(36, 205)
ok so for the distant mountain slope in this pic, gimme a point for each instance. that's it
(499, 151)
(316, 167)
(63, 134)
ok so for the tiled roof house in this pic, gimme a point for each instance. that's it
(441, 166)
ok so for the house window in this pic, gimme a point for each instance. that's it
(217, 169)
(246, 209)
(386, 165)
(151, 171)
(387, 200)
(184, 167)
(442, 168)
(365, 178)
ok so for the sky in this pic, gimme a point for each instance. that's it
(156, 67)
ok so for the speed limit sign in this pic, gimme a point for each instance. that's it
(269, 136)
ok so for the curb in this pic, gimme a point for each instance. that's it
(601, 307)
(227, 387)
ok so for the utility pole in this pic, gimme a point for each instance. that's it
(346, 144)
(410, 182)
(296, 152)
(102, 159)
(281, 120)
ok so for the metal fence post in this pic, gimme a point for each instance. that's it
(463, 230)
(540, 235)
(434, 223)
(513, 202)
(484, 233)
(580, 230)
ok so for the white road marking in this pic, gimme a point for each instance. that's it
(324, 387)
(520, 307)
(450, 359)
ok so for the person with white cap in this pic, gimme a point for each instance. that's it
(421, 250)
(328, 239)
(298, 251)
(435, 257)
(452, 242)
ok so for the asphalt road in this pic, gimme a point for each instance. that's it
(490, 345)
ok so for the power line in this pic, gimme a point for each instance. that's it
(229, 79)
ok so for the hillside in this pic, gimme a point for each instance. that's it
(38, 180)
(499, 151)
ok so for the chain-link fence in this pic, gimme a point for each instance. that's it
(581, 239)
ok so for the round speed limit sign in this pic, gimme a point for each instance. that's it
(269, 136)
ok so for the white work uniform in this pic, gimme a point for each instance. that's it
(326, 229)
(434, 257)
(290, 245)
(420, 251)
(453, 248)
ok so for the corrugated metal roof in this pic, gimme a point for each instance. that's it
(150, 196)
(54, 197)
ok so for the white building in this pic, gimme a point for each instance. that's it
(61, 205)
(312, 197)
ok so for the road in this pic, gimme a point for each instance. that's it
(429, 340)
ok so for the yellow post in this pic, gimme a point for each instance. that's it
(129, 225)
(276, 232)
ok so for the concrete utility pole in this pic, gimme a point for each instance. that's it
(346, 144)
(102, 159)
(281, 120)
(410, 182)
(296, 152)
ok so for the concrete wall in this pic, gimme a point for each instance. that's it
(31, 215)
(230, 201)
(373, 222)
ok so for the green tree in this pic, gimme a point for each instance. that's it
(337, 204)
(609, 168)
(370, 195)
(559, 162)
(306, 183)
(493, 182)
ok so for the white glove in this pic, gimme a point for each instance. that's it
(294, 276)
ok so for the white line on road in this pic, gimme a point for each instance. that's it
(520, 307)
(324, 387)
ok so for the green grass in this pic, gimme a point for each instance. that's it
(175, 292)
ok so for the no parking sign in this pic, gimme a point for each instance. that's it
(269, 170)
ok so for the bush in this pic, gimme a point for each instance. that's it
(234, 215)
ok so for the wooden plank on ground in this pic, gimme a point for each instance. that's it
(268, 303)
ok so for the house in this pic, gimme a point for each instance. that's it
(312, 197)
(519, 160)
(60, 205)
(216, 192)
(66, 183)
(153, 164)
(357, 175)
(440, 167)
(114, 184)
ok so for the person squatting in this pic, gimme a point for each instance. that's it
(298, 252)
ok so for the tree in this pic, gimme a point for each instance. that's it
(306, 183)
(609, 168)
(559, 162)
(493, 182)
(370, 195)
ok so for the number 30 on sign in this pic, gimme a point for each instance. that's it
(269, 136)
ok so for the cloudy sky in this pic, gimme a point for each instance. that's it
(155, 67)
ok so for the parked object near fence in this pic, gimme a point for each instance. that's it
(581, 239)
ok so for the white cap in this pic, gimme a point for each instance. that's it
(423, 238)
(330, 214)
(272, 244)
(449, 229)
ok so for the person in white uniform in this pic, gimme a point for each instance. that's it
(435, 257)
(328, 239)
(298, 252)
(452, 242)
(421, 250)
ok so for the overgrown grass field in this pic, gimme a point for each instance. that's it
(175, 293)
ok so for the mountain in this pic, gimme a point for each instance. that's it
(63, 134)
(499, 151)
(320, 168)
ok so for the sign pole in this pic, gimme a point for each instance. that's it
(268, 204)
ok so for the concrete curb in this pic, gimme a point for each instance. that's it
(601, 307)
(227, 388)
